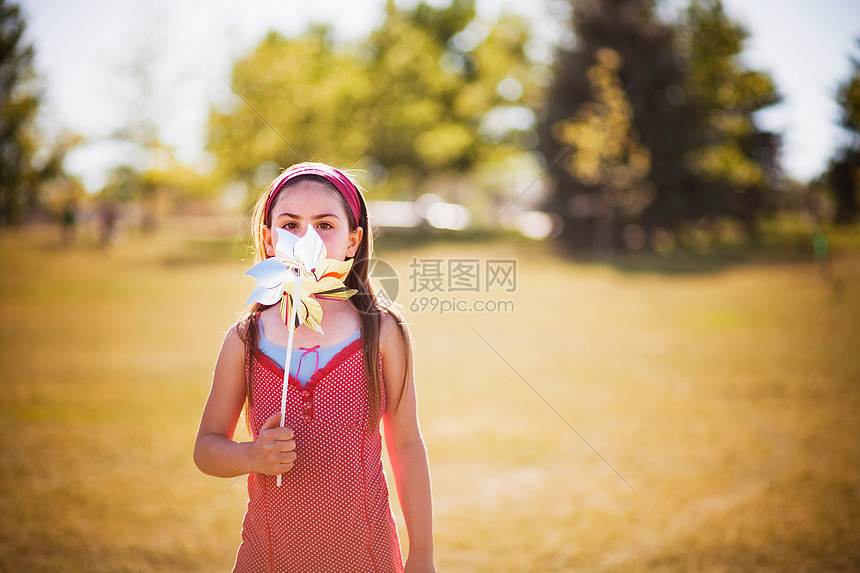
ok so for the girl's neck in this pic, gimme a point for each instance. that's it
(340, 320)
(329, 304)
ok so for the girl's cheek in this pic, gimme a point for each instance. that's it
(298, 232)
(330, 248)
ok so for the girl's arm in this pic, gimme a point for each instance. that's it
(215, 452)
(406, 447)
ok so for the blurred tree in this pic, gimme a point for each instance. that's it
(144, 175)
(294, 85)
(735, 162)
(843, 174)
(679, 146)
(446, 90)
(606, 195)
(125, 183)
(427, 93)
(610, 163)
(19, 103)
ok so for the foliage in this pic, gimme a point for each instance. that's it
(423, 95)
(843, 174)
(611, 161)
(30, 165)
(19, 102)
(620, 45)
(734, 161)
(165, 185)
(654, 126)
(125, 183)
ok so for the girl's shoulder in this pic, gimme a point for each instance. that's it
(245, 331)
(389, 320)
(244, 325)
(394, 332)
(232, 353)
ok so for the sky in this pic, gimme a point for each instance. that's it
(85, 50)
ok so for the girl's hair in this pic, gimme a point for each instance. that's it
(365, 301)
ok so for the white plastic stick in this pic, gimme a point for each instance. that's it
(297, 290)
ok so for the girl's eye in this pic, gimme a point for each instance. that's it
(325, 225)
(289, 225)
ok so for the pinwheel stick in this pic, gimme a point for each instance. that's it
(297, 291)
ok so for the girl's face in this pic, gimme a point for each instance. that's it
(313, 203)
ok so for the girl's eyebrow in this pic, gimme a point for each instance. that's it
(317, 217)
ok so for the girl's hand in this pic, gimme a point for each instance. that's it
(274, 451)
(419, 562)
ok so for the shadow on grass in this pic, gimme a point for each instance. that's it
(770, 249)
(680, 261)
(204, 250)
(391, 239)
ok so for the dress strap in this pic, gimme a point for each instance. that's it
(315, 350)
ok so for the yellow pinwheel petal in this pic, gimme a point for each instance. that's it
(332, 268)
(312, 314)
(329, 285)
(336, 294)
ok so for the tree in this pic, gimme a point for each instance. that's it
(734, 161)
(843, 175)
(611, 162)
(434, 115)
(604, 195)
(411, 102)
(679, 147)
(145, 177)
(19, 103)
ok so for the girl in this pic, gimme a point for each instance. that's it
(332, 511)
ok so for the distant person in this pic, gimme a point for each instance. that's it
(821, 249)
(108, 215)
(332, 511)
(68, 221)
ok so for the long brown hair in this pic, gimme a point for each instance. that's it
(365, 300)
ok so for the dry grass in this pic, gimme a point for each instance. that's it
(727, 399)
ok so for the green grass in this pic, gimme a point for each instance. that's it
(727, 396)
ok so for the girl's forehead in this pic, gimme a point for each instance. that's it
(308, 196)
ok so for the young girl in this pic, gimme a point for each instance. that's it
(332, 511)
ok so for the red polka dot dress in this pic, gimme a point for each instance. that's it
(332, 511)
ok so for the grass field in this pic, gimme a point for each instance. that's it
(728, 399)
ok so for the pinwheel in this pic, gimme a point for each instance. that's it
(298, 275)
(300, 267)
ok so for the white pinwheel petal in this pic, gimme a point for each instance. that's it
(310, 249)
(266, 296)
(298, 259)
(270, 273)
(286, 243)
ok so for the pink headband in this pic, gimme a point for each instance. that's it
(340, 181)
